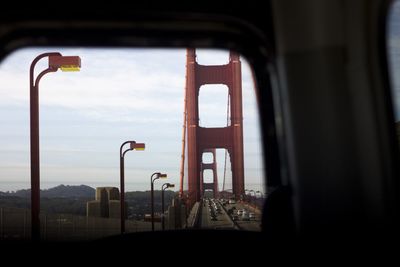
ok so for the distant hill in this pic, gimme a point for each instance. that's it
(60, 191)
(72, 199)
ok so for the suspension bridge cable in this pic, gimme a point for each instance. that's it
(226, 150)
(182, 171)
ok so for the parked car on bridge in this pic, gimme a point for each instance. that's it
(245, 216)
(252, 216)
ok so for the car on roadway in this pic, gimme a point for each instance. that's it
(252, 216)
(245, 216)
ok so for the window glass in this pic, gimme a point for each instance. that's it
(84, 117)
(393, 41)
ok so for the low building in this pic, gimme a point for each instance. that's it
(106, 205)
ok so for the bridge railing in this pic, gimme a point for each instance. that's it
(15, 224)
(194, 215)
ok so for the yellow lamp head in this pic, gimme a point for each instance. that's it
(65, 63)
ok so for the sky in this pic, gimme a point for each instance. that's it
(393, 52)
(119, 95)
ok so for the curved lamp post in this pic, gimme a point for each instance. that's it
(163, 187)
(56, 61)
(154, 176)
(132, 146)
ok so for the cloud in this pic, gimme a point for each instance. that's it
(212, 56)
(112, 84)
(101, 89)
(117, 95)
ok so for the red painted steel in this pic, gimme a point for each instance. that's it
(58, 61)
(200, 139)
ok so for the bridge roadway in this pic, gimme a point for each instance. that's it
(253, 224)
(221, 219)
(214, 215)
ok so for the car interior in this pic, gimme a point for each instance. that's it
(325, 86)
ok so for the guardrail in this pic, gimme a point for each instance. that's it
(194, 215)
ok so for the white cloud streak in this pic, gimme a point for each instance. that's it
(117, 94)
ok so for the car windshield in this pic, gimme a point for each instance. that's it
(140, 102)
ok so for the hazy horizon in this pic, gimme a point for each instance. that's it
(129, 187)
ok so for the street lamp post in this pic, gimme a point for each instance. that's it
(56, 61)
(163, 187)
(132, 146)
(156, 175)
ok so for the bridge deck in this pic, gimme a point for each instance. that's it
(216, 215)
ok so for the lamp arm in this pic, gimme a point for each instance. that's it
(33, 64)
(123, 154)
(155, 179)
(120, 149)
(151, 178)
(42, 74)
(165, 186)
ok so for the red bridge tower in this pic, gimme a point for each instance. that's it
(205, 140)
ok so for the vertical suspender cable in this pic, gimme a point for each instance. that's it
(182, 172)
(226, 150)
